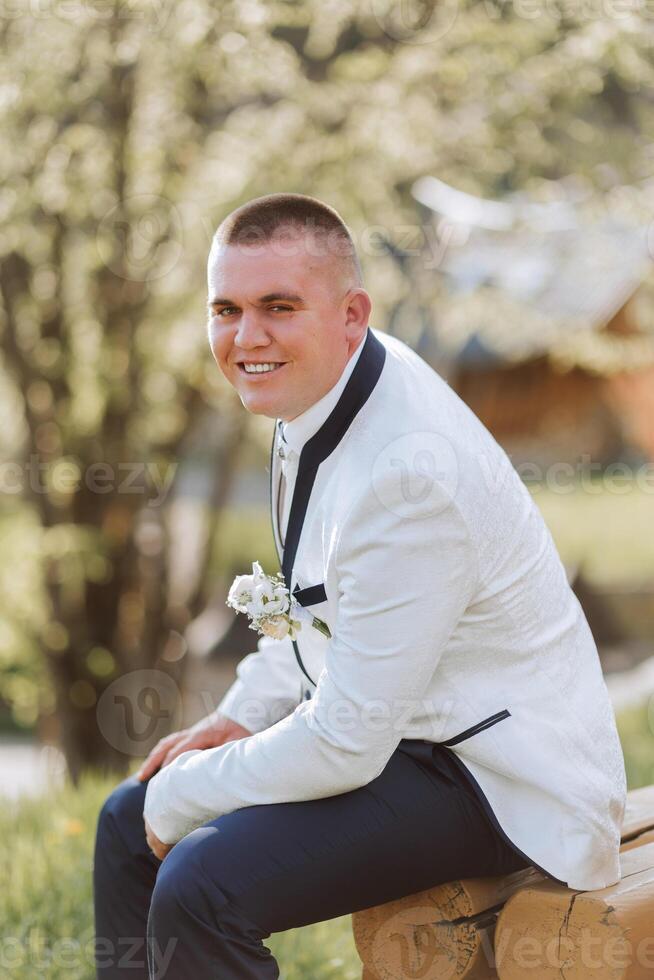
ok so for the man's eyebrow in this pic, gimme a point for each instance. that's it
(288, 297)
(268, 298)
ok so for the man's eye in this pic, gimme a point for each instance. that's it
(225, 309)
(277, 306)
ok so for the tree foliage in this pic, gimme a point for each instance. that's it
(130, 129)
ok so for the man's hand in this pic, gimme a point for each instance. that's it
(207, 733)
(158, 847)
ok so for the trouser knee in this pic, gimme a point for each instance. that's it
(122, 815)
(185, 892)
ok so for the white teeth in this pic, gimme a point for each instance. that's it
(260, 368)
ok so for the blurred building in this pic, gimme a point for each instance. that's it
(544, 325)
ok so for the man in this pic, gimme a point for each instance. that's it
(455, 724)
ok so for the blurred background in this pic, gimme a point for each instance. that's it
(495, 163)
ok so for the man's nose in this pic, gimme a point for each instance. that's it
(251, 331)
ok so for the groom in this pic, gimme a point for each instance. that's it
(456, 723)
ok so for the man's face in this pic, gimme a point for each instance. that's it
(282, 307)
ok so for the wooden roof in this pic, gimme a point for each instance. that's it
(523, 280)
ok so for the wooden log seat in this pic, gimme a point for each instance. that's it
(522, 926)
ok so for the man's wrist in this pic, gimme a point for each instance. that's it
(254, 713)
(219, 727)
(209, 726)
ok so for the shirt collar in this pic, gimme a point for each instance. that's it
(300, 429)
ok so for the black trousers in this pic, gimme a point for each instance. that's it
(224, 888)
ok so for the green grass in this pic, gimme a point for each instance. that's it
(46, 908)
(636, 727)
(243, 535)
(46, 905)
(606, 533)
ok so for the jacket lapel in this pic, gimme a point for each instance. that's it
(358, 389)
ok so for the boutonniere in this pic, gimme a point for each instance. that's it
(272, 611)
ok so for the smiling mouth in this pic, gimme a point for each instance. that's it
(262, 368)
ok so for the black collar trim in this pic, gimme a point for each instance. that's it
(355, 394)
(358, 389)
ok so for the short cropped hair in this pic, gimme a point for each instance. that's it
(259, 221)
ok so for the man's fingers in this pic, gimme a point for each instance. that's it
(176, 750)
(151, 764)
(153, 761)
(146, 769)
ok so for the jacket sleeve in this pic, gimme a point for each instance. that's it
(267, 686)
(403, 584)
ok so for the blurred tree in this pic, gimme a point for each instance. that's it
(130, 130)
(110, 372)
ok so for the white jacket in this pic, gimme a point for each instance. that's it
(411, 535)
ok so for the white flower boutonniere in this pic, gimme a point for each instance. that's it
(272, 611)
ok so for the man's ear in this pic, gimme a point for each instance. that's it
(357, 314)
